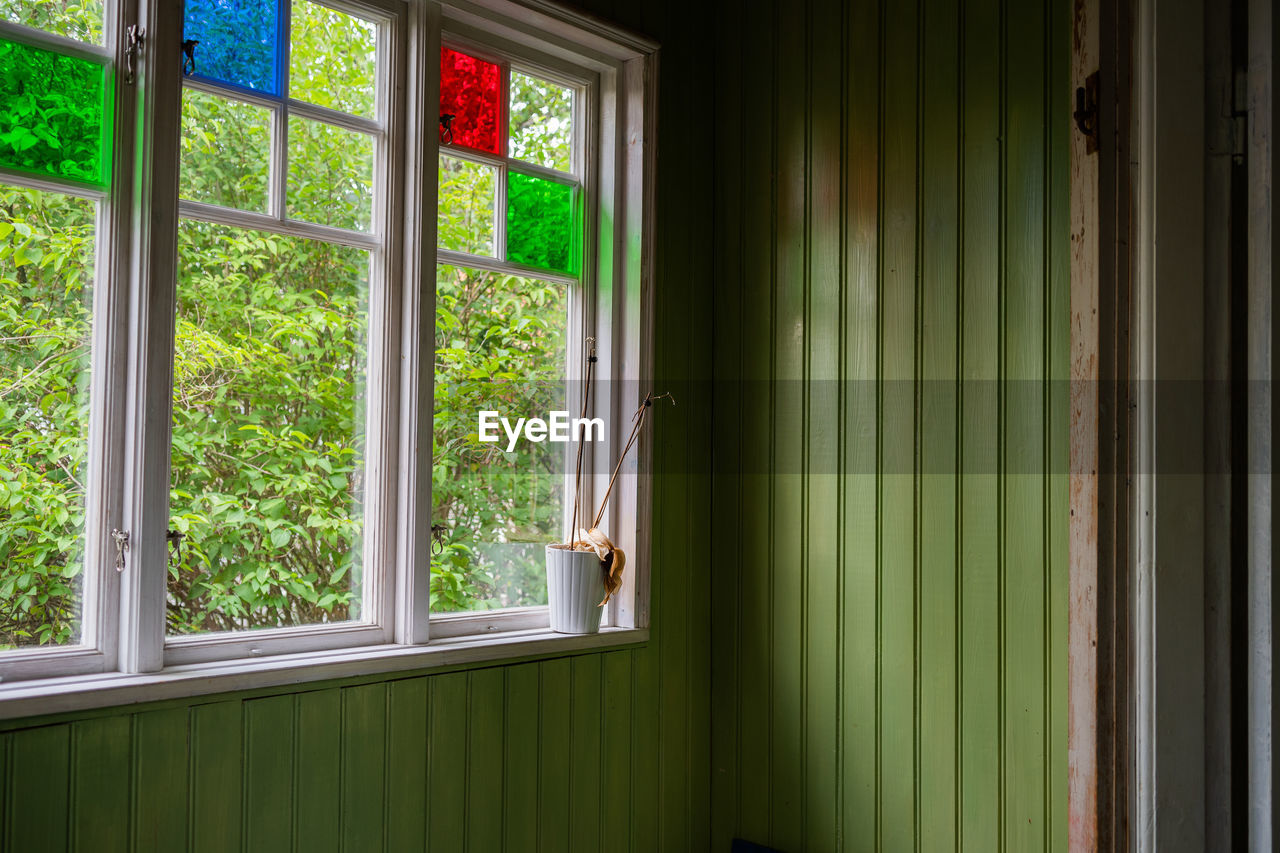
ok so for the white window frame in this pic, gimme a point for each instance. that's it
(126, 656)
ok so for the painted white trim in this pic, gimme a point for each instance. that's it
(1259, 154)
(490, 621)
(1143, 341)
(60, 695)
(33, 37)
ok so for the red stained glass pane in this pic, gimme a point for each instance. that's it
(469, 92)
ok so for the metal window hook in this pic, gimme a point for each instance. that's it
(121, 538)
(189, 56)
(134, 37)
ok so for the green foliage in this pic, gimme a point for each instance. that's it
(267, 435)
(75, 19)
(541, 122)
(466, 198)
(330, 175)
(226, 148)
(500, 346)
(46, 267)
(333, 62)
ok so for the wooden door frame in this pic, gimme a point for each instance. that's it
(1099, 694)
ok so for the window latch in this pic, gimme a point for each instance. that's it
(121, 538)
(189, 56)
(134, 36)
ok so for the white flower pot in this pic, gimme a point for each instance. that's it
(575, 588)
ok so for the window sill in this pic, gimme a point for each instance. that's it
(78, 693)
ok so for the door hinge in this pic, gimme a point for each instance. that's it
(121, 538)
(1086, 114)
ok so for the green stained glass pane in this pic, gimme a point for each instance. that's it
(226, 146)
(330, 175)
(542, 223)
(77, 19)
(53, 116)
(541, 122)
(466, 206)
(333, 61)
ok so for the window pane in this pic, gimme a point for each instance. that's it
(268, 432)
(330, 175)
(53, 119)
(46, 275)
(226, 148)
(466, 206)
(79, 19)
(542, 223)
(238, 41)
(500, 346)
(541, 122)
(469, 93)
(333, 59)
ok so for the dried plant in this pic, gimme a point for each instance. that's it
(612, 558)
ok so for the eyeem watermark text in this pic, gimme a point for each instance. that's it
(558, 427)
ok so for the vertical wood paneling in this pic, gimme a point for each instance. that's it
(100, 784)
(160, 755)
(584, 756)
(364, 763)
(906, 626)
(317, 780)
(616, 723)
(1024, 675)
(791, 235)
(554, 757)
(268, 773)
(520, 760)
(756, 781)
(485, 747)
(980, 334)
(38, 780)
(216, 781)
(897, 618)
(860, 439)
(938, 371)
(407, 764)
(822, 368)
(447, 763)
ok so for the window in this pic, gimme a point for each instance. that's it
(227, 340)
(509, 255)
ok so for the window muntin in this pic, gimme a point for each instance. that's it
(269, 446)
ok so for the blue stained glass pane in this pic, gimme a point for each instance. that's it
(239, 41)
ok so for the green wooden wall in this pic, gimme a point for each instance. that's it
(891, 240)
(605, 751)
